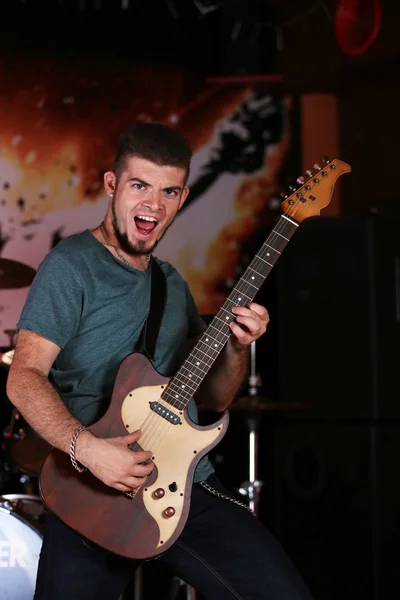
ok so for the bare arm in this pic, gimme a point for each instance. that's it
(226, 375)
(33, 395)
(31, 392)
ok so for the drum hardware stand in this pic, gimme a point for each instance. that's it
(252, 487)
(177, 585)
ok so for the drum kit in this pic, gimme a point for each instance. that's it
(22, 453)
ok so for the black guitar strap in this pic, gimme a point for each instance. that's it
(158, 296)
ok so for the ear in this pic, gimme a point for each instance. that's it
(109, 182)
(183, 197)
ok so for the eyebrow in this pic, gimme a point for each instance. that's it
(169, 187)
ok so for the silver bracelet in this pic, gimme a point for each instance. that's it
(72, 449)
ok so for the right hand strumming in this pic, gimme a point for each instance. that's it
(111, 461)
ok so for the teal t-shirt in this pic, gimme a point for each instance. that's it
(94, 307)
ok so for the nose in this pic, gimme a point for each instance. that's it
(153, 201)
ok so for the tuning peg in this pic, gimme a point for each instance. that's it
(326, 160)
(283, 195)
(291, 187)
(317, 166)
(300, 180)
(309, 173)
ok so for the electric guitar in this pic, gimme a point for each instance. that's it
(146, 524)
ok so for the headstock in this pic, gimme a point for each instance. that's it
(311, 195)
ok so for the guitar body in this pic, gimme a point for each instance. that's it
(138, 527)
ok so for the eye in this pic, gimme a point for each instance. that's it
(170, 192)
(138, 186)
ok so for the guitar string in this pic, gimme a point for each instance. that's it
(155, 443)
(146, 440)
(167, 426)
(207, 359)
(150, 434)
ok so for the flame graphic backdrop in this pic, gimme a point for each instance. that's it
(59, 123)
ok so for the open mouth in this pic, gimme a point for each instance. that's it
(145, 225)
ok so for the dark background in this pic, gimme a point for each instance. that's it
(331, 490)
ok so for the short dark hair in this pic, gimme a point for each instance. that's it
(155, 142)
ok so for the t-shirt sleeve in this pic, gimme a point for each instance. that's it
(196, 324)
(53, 306)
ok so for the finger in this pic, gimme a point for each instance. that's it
(141, 470)
(255, 310)
(142, 456)
(255, 328)
(133, 483)
(121, 487)
(129, 438)
(261, 311)
(243, 337)
(132, 437)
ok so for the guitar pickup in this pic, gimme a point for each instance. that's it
(169, 415)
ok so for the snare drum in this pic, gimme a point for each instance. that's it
(21, 521)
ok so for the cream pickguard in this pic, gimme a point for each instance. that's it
(174, 449)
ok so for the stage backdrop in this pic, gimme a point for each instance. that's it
(59, 124)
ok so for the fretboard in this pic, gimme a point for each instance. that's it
(184, 384)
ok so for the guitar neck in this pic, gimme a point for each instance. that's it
(185, 383)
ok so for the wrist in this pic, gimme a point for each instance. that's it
(84, 447)
(237, 348)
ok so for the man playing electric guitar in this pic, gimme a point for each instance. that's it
(84, 314)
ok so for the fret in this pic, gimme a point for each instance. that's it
(216, 328)
(205, 353)
(254, 271)
(182, 388)
(290, 220)
(229, 316)
(188, 388)
(211, 339)
(287, 239)
(271, 248)
(172, 401)
(256, 278)
(263, 259)
(191, 375)
(239, 298)
(267, 252)
(196, 366)
(178, 392)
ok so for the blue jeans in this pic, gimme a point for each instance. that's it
(224, 552)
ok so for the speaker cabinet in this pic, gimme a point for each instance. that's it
(338, 290)
(335, 494)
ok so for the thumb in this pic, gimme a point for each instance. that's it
(132, 437)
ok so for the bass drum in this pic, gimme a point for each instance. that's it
(21, 525)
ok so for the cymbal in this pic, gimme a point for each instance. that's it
(257, 403)
(14, 274)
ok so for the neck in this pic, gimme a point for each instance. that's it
(139, 261)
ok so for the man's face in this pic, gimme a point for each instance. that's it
(146, 200)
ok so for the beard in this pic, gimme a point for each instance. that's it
(137, 249)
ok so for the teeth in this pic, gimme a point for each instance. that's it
(147, 218)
